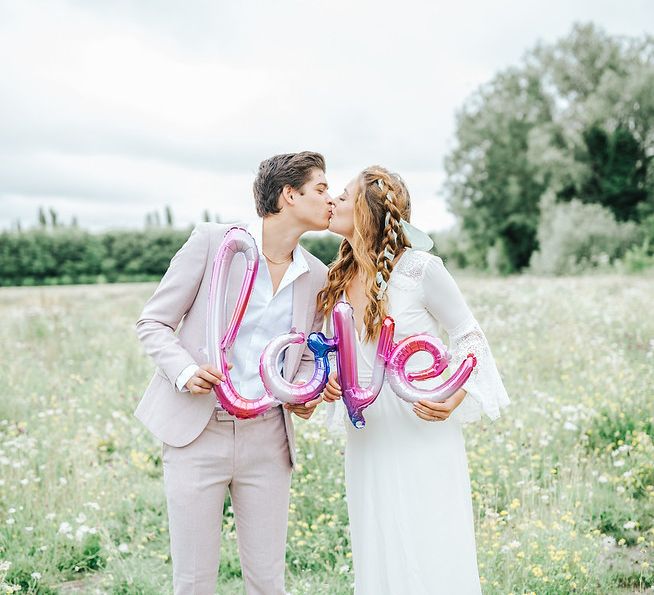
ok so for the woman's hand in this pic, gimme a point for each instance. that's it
(440, 410)
(204, 379)
(332, 390)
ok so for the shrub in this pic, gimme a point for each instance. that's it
(575, 237)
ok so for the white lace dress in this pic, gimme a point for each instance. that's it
(407, 482)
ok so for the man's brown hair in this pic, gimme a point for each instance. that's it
(293, 169)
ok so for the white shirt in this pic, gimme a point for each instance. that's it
(267, 316)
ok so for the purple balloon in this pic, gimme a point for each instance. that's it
(392, 359)
(400, 381)
(355, 397)
(237, 240)
(296, 394)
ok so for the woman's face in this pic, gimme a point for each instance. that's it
(342, 221)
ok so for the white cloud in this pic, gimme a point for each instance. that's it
(108, 110)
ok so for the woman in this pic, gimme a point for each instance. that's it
(408, 489)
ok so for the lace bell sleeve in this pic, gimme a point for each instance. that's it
(444, 301)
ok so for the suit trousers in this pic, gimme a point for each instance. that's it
(251, 459)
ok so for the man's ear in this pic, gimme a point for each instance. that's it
(287, 196)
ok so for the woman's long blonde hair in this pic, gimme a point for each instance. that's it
(381, 199)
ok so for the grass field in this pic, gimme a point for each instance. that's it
(563, 484)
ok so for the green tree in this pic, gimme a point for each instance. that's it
(169, 216)
(491, 183)
(575, 119)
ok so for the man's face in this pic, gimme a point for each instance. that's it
(313, 204)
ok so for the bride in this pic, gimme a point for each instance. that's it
(407, 483)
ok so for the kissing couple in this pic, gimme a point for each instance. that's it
(407, 483)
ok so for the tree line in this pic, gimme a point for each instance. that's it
(53, 253)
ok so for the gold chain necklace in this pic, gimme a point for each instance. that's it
(275, 262)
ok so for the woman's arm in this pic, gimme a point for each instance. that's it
(485, 390)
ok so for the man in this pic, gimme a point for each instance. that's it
(205, 450)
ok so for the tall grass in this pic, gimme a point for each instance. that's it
(563, 484)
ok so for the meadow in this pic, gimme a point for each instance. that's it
(563, 483)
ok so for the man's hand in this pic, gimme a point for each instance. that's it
(332, 390)
(204, 379)
(304, 411)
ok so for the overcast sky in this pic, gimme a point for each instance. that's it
(109, 110)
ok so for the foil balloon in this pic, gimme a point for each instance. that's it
(221, 336)
(355, 397)
(391, 359)
(296, 394)
(401, 382)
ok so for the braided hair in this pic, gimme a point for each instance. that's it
(381, 201)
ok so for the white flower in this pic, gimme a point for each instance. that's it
(65, 528)
(629, 525)
(568, 425)
(123, 548)
(343, 569)
(29, 529)
(602, 479)
(514, 544)
(11, 510)
(619, 463)
(10, 521)
(81, 517)
(82, 530)
(50, 516)
(36, 576)
(93, 505)
(619, 489)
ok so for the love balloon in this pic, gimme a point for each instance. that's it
(390, 358)
(221, 337)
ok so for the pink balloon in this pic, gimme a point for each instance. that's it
(221, 337)
(400, 381)
(355, 397)
(392, 359)
(297, 394)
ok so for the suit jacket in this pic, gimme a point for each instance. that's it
(172, 329)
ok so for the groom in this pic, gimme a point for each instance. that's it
(205, 450)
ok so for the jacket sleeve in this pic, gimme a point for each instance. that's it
(169, 304)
